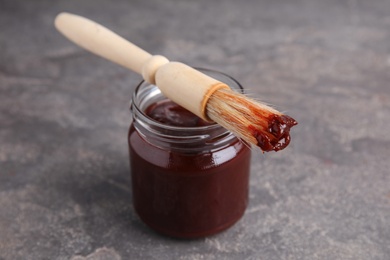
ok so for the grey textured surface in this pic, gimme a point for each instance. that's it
(64, 173)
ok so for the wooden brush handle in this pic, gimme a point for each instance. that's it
(101, 41)
(177, 81)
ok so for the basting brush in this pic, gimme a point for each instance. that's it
(206, 97)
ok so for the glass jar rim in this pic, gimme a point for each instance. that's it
(213, 126)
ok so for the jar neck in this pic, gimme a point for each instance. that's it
(181, 139)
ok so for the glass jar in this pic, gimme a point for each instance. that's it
(187, 182)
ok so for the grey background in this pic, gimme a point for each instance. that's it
(64, 172)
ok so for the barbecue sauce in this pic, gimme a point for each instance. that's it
(185, 193)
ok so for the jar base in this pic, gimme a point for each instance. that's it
(192, 235)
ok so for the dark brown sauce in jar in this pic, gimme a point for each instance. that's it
(189, 177)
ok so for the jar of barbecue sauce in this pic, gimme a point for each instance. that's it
(189, 177)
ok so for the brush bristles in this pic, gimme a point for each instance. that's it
(251, 121)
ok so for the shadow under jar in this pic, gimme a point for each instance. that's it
(189, 178)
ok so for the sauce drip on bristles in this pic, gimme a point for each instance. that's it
(251, 121)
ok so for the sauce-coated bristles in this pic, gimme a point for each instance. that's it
(252, 121)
